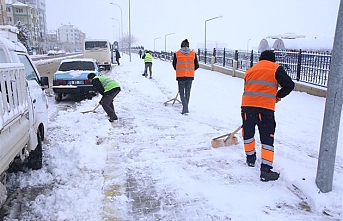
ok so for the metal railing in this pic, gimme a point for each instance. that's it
(308, 67)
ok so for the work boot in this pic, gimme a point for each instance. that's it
(269, 176)
(251, 159)
(113, 119)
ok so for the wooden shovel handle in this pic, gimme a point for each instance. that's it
(221, 136)
(233, 133)
(96, 107)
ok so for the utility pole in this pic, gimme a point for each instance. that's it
(130, 29)
(333, 110)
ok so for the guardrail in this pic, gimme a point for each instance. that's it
(302, 66)
(308, 67)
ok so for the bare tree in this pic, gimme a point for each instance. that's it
(125, 41)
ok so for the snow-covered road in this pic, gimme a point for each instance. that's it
(156, 164)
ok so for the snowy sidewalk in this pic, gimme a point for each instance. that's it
(156, 164)
(172, 173)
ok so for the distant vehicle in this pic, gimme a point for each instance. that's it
(71, 77)
(52, 52)
(61, 52)
(99, 50)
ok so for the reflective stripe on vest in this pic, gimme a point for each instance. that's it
(260, 86)
(148, 57)
(185, 64)
(107, 83)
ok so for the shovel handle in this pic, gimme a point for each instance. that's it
(96, 107)
(230, 135)
(221, 136)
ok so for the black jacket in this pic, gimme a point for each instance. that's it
(285, 81)
(117, 55)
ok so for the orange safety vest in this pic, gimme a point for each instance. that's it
(260, 86)
(185, 64)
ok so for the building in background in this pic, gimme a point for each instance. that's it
(71, 37)
(293, 42)
(40, 6)
(27, 16)
(31, 14)
(3, 13)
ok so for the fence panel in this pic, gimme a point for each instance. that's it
(308, 67)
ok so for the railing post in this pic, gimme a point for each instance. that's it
(213, 59)
(252, 58)
(236, 55)
(224, 58)
(205, 55)
(299, 65)
(212, 62)
(235, 64)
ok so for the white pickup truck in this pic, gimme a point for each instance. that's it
(23, 107)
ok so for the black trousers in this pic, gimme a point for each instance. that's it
(107, 102)
(265, 122)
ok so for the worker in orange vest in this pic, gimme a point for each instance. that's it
(261, 93)
(185, 62)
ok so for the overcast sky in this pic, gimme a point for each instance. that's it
(151, 19)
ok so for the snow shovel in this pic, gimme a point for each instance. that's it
(96, 107)
(228, 141)
(173, 99)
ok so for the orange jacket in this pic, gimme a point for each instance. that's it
(185, 64)
(260, 86)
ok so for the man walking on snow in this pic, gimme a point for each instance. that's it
(147, 63)
(258, 106)
(109, 89)
(185, 63)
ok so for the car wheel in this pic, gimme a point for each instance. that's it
(58, 96)
(35, 159)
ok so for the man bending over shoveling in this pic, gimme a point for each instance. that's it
(109, 89)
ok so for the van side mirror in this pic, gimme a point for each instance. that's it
(44, 81)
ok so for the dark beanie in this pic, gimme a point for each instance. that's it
(185, 43)
(268, 55)
(91, 75)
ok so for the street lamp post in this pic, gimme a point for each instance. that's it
(248, 44)
(121, 19)
(116, 21)
(117, 30)
(165, 41)
(205, 26)
(154, 42)
(130, 29)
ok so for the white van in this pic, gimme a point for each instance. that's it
(23, 108)
(100, 50)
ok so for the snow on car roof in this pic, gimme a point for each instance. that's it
(78, 59)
